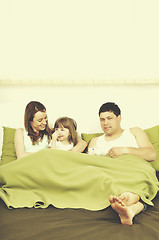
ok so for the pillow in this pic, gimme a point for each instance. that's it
(153, 134)
(8, 149)
(88, 137)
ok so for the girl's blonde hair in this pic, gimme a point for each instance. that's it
(71, 125)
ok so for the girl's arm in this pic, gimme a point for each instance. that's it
(80, 146)
(53, 141)
(19, 143)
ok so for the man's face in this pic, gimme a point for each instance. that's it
(110, 123)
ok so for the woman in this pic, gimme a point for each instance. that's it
(36, 135)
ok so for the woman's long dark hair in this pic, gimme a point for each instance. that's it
(31, 109)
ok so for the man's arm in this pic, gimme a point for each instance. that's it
(145, 150)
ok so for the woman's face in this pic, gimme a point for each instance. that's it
(39, 121)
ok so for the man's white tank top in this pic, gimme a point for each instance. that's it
(29, 147)
(125, 140)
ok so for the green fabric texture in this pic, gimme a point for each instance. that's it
(67, 179)
(8, 149)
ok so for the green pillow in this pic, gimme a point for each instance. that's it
(88, 137)
(153, 134)
(8, 149)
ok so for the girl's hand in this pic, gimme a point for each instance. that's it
(54, 139)
(117, 151)
(54, 136)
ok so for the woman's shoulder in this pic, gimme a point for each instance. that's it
(19, 131)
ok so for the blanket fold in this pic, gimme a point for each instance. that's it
(67, 179)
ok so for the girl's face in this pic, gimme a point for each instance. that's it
(39, 122)
(62, 133)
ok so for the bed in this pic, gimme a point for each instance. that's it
(52, 222)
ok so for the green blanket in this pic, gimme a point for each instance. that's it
(74, 180)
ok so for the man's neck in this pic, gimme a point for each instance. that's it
(115, 135)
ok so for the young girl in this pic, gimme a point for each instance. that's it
(65, 136)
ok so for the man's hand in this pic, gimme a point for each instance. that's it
(117, 151)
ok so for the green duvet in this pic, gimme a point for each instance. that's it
(74, 180)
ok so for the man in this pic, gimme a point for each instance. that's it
(115, 142)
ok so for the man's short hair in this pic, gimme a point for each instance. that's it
(110, 107)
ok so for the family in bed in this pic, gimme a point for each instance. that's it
(116, 141)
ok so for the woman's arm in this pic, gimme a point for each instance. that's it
(19, 143)
(80, 146)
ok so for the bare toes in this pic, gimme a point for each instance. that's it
(112, 198)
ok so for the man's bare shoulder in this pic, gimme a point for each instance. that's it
(93, 142)
(136, 130)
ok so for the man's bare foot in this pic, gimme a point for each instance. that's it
(125, 213)
(129, 198)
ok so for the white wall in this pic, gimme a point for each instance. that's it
(76, 40)
(139, 104)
